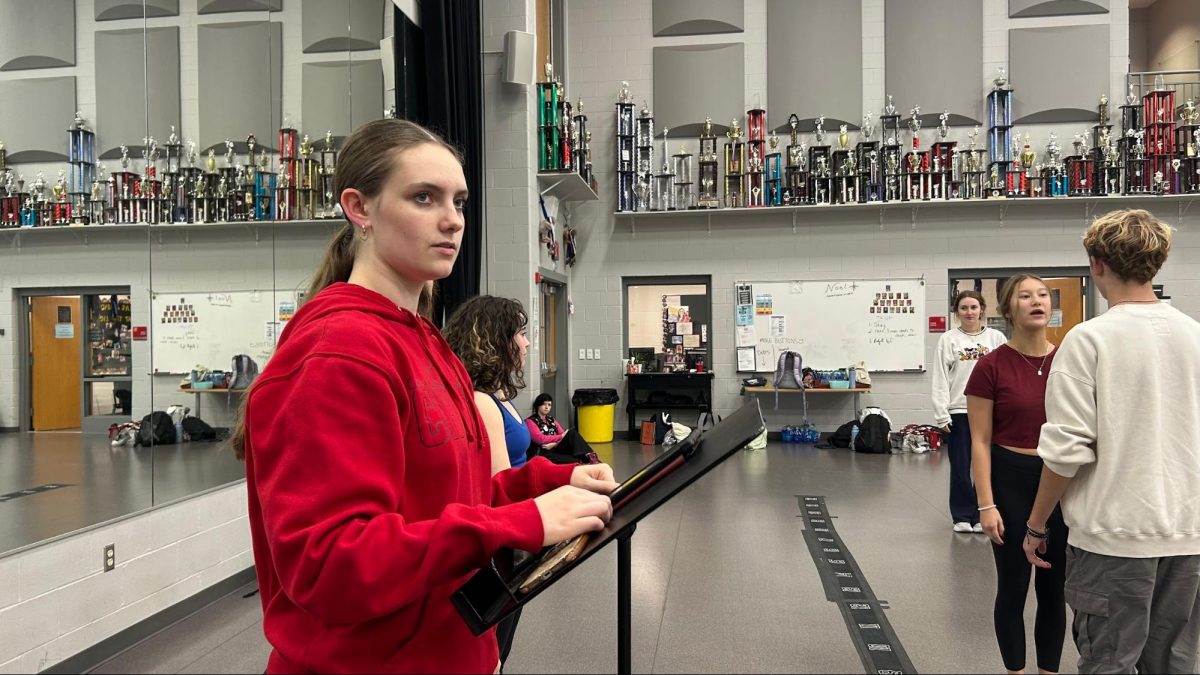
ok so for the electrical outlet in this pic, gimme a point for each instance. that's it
(597, 354)
(110, 557)
(582, 354)
(592, 354)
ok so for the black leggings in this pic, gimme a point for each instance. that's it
(1015, 479)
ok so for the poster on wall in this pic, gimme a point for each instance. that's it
(745, 359)
(763, 304)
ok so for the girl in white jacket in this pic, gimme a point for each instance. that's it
(957, 352)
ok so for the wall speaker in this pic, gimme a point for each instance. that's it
(518, 57)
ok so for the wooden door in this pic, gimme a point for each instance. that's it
(1067, 294)
(57, 370)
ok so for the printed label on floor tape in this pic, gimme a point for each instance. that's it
(847, 587)
(32, 491)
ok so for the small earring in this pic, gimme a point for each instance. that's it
(362, 234)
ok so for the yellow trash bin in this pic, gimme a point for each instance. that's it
(595, 411)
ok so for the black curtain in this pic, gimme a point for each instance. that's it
(439, 83)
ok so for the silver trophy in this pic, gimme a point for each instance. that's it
(1001, 79)
(1130, 99)
(914, 124)
(228, 152)
(124, 157)
(820, 130)
(974, 136)
(943, 129)
(1103, 109)
(890, 108)
(868, 128)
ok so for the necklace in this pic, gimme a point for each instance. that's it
(1038, 368)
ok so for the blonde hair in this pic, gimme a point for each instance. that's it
(1009, 289)
(1132, 242)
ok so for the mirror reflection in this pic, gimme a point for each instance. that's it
(166, 189)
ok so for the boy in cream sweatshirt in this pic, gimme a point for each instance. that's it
(1120, 452)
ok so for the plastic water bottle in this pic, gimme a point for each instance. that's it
(179, 431)
(851, 375)
(853, 435)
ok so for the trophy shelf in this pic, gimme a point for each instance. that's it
(88, 230)
(566, 186)
(1093, 201)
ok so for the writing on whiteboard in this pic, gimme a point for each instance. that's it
(839, 288)
(778, 340)
(882, 331)
(220, 300)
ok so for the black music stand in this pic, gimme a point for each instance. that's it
(489, 596)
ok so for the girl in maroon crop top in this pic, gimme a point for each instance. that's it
(1006, 408)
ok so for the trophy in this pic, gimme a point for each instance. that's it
(843, 137)
(867, 129)
(735, 130)
(943, 129)
(625, 96)
(1103, 109)
(210, 162)
(974, 136)
(124, 157)
(328, 140)
(251, 143)
(794, 123)
(890, 108)
(1001, 79)
(228, 153)
(1130, 99)
(914, 124)
(191, 154)
(820, 130)
(1189, 114)
(1078, 142)
(1027, 155)
(172, 139)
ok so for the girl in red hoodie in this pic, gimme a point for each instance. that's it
(368, 469)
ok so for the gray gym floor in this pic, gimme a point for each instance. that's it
(722, 580)
(101, 482)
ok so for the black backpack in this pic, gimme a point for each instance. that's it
(841, 437)
(873, 434)
(156, 429)
(198, 430)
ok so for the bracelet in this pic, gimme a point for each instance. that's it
(985, 508)
(1035, 534)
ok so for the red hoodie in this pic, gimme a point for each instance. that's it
(368, 470)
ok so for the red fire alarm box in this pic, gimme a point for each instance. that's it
(139, 332)
(937, 324)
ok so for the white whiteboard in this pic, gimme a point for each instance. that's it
(832, 323)
(209, 328)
